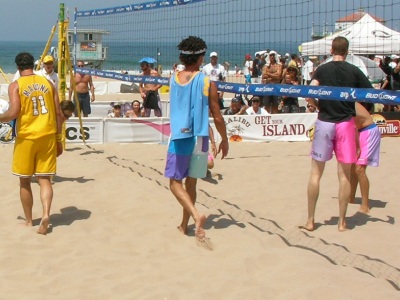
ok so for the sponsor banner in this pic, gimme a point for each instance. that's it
(92, 130)
(277, 127)
(140, 130)
(134, 7)
(388, 123)
(240, 128)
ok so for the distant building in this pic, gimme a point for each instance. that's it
(349, 20)
(342, 24)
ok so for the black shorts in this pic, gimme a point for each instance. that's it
(271, 101)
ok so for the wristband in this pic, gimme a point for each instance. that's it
(58, 137)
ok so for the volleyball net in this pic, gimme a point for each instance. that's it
(116, 39)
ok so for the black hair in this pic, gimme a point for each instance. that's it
(192, 44)
(67, 105)
(24, 61)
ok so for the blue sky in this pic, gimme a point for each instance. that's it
(32, 20)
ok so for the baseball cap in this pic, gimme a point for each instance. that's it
(235, 100)
(248, 56)
(48, 59)
(116, 105)
(213, 54)
(287, 55)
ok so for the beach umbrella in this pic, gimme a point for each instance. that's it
(150, 60)
(366, 65)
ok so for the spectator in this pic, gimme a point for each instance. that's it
(236, 107)
(255, 108)
(247, 66)
(48, 70)
(116, 112)
(290, 104)
(149, 91)
(272, 74)
(255, 70)
(216, 72)
(307, 71)
(82, 83)
(136, 111)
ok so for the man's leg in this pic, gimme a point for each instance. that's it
(364, 188)
(25, 192)
(353, 183)
(46, 196)
(184, 197)
(190, 187)
(344, 193)
(317, 169)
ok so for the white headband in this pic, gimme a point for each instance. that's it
(193, 52)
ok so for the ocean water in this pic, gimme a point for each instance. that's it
(126, 55)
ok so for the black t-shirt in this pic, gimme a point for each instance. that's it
(339, 73)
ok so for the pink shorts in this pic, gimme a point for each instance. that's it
(334, 137)
(370, 144)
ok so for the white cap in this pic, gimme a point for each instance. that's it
(213, 54)
(180, 67)
(394, 56)
(287, 55)
(272, 52)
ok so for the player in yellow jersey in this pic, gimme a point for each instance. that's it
(35, 106)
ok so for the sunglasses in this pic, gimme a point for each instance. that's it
(309, 106)
(80, 66)
(255, 100)
(67, 116)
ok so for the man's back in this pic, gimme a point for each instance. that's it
(37, 117)
(339, 74)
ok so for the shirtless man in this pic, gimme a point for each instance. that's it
(148, 91)
(271, 73)
(82, 82)
(369, 138)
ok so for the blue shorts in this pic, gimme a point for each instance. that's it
(334, 137)
(187, 158)
(84, 103)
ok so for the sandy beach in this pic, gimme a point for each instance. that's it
(113, 230)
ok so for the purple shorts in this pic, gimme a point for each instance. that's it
(334, 137)
(370, 144)
(187, 157)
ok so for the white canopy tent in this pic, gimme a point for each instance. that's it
(367, 36)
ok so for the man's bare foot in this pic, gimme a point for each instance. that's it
(44, 225)
(309, 226)
(342, 227)
(199, 231)
(182, 230)
(364, 210)
(201, 239)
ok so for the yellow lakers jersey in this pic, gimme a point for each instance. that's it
(37, 117)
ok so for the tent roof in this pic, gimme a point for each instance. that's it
(367, 36)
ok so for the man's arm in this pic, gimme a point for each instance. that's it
(218, 119)
(60, 121)
(155, 73)
(91, 88)
(15, 103)
(312, 101)
(71, 87)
